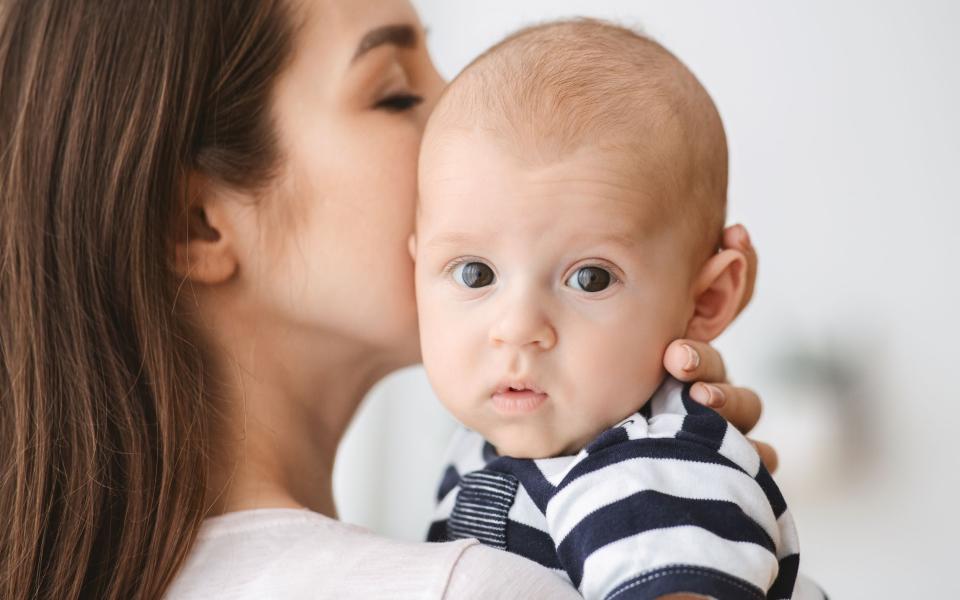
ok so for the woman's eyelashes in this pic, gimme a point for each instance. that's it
(398, 102)
(591, 279)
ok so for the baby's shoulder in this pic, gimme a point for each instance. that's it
(674, 426)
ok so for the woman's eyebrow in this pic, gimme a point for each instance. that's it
(401, 36)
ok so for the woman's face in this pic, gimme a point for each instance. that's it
(327, 245)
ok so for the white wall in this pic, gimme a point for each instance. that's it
(845, 159)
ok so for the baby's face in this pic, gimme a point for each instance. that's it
(547, 295)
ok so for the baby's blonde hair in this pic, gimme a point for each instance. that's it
(550, 90)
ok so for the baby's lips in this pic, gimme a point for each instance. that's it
(517, 385)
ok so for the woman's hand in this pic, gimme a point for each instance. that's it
(689, 360)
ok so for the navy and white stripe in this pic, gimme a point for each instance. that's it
(481, 510)
(672, 499)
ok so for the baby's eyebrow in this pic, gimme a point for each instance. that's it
(453, 238)
(616, 238)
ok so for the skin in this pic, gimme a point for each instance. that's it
(580, 360)
(304, 291)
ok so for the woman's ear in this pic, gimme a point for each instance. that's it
(204, 240)
(718, 290)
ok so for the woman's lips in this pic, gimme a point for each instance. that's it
(517, 402)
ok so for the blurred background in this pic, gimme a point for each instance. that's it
(844, 138)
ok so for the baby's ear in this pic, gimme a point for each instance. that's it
(718, 290)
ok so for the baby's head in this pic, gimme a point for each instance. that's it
(572, 200)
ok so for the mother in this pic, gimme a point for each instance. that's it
(203, 269)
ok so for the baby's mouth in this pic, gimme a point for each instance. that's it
(518, 385)
(517, 398)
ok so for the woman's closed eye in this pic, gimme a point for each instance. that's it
(399, 102)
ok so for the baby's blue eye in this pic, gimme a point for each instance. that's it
(473, 274)
(590, 279)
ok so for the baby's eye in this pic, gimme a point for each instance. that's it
(473, 274)
(590, 279)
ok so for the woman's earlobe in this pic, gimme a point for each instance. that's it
(718, 291)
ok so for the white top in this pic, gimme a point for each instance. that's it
(291, 553)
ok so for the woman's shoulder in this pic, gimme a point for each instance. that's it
(484, 572)
(289, 553)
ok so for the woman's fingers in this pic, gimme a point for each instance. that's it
(736, 237)
(688, 360)
(740, 406)
(767, 454)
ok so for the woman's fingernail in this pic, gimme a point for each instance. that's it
(717, 399)
(746, 236)
(708, 395)
(693, 358)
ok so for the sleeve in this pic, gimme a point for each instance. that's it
(681, 504)
(484, 572)
(446, 497)
(465, 453)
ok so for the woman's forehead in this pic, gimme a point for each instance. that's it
(336, 37)
(348, 22)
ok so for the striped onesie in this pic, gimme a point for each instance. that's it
(672, 499)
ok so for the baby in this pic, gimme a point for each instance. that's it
(573, 192)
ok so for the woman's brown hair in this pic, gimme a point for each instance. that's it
(106, 414)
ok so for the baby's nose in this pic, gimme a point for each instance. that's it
(524, 326)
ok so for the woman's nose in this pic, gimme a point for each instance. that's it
(522, 327)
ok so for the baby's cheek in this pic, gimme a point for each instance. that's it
(451, 363)
(619, 373)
